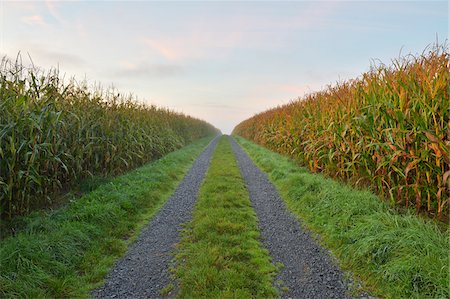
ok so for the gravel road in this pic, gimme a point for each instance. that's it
(144, 270)
(308, 270)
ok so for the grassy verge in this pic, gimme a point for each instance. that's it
(396, 256)
(11, 227)
(67, 252)
(220, 255)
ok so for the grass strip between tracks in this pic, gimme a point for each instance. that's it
(220, 255)
(396, 255)
(65, 253)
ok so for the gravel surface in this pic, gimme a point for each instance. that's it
(144, 270)
(308, 269)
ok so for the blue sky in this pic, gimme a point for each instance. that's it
(219, 61)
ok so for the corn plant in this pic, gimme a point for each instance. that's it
(389, 130)
(53, 134)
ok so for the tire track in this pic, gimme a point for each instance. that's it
(308, 270)
(144, 270)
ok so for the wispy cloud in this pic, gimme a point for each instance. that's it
(312, 15)
(145, 69)
(34, 20)
(168, 49)
(53, 11)
(55, 57)
(35, 55)
(219, 36)
(193, 44)
(202, 45)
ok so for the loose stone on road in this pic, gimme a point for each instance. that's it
(308, 270)
(144, 270)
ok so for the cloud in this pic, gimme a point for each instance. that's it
(38, 53)
(148, 70)
(187, 46)
(34, 20)
(218, 36)
(308, 15)
(34, 55)
(53, 10)
(170, 50)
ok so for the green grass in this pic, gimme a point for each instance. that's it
(220, 255)
(67, 252)
(395, 255)
(10, 227)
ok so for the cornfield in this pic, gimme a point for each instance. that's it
(388, 130)
(54, 133)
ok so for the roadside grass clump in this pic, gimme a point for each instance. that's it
(66, 252)
(388, 129)
(395, 255)
(55, 133)
(220, 255)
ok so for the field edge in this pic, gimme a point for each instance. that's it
(395, 255)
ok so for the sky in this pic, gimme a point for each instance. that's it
(221, 61)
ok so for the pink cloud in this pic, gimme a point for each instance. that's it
(33, 20)
(188, 46)
(53, 10)
(169, 49)
(218, 37)
(197, 44)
